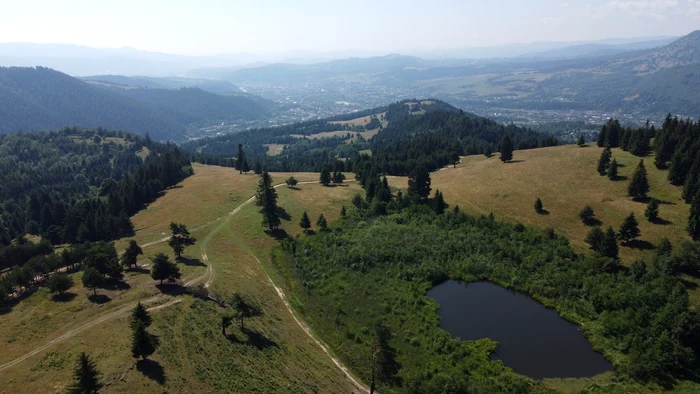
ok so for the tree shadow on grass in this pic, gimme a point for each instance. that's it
(543, 212)
(99, 298)
(112, 284)
(278, 234)
(662, 222)
(65, 297)
(152, 370)
(515, 161)
(254, 339)
(171, 289)
(283, 214)
(640, 244)
(620, 178)
(592, 222)
(139, 270)
(191, 261)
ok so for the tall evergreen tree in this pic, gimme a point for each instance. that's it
(595, 238)
(581, 140)
(629, 230)
(322, 223)
(266, 199)
(652, 210)
(539, 207)
(385, 367)
(506, 149)
(325, 178)
(639, 187)
(604, 161)
(245, 167)
(602, 136)
(240, 159)
(694, 219)
(180, 239)
(140, 315)
(439, 203)
(612, 171)
(587, 215)
(305, 222)
(86, 378)
(143, 343)
(343, 212)
(609, 246)
(419, 184)
(131, 254)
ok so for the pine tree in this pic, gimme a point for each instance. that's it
(143, 343)
(604, 161)
(140, 315)
(488, 152)
(587, 214)
(384, 367)
(180, 239)
(419, 184)
(322, 223)
(244, 308)
(694, 219)
(440, 204)
(639, 187)
(581, 140)
(539, 207)
(506, 149)
(602, 136)
(245, 167)
(86, 378)
(338, 177)
(652, 211)
(609, 246)
(305, 222)
(266, 199)
(325, 178)
(595, 238)
(131, 254)
(629, 229)
(240, 159)
(612, 171)
(163, 269)
(258, 168)
(343, 212)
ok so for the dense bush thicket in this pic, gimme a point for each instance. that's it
(379, 268)
(78, 185)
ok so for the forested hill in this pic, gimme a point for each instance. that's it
(43, 99)
(78, 185)
(400, 136)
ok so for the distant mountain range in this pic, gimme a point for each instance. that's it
(43, 99)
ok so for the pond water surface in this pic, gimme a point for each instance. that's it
(533, 340)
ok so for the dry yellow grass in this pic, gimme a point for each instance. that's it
(566, 180)
(364, 120)
(274, 149)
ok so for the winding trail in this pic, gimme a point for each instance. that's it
(207, 277)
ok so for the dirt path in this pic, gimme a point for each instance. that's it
(209, 277)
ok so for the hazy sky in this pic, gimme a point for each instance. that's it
(269, 26)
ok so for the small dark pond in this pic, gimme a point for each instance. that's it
(533, 340)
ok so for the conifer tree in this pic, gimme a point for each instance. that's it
(322, 223)
(325, 178)
(86, 378)
(694, 219)
(539, 207)
(629, 229)
(639, 187)
(612, 170)
(266, 199)
(454, 158)
(587, 214)
(506, 149)
(440, 204)
(131, 254)
(652, 211)
(343, 212)
(385, 368)
(604, 161)
(140, 315)
(595, 238)
(244, 308)
(245, 167)
(305, 222)
(240, 159)
(602, 136)
(609, 246)
(489, 151)
(163, 269)
(258, 168)
(581, 141)
(180, 239)
(419, 184)
(338, 177)
(143, 343)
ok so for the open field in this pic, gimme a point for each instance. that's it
(274, 149)
(364, 120)
(274, 356)
(565, 178)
